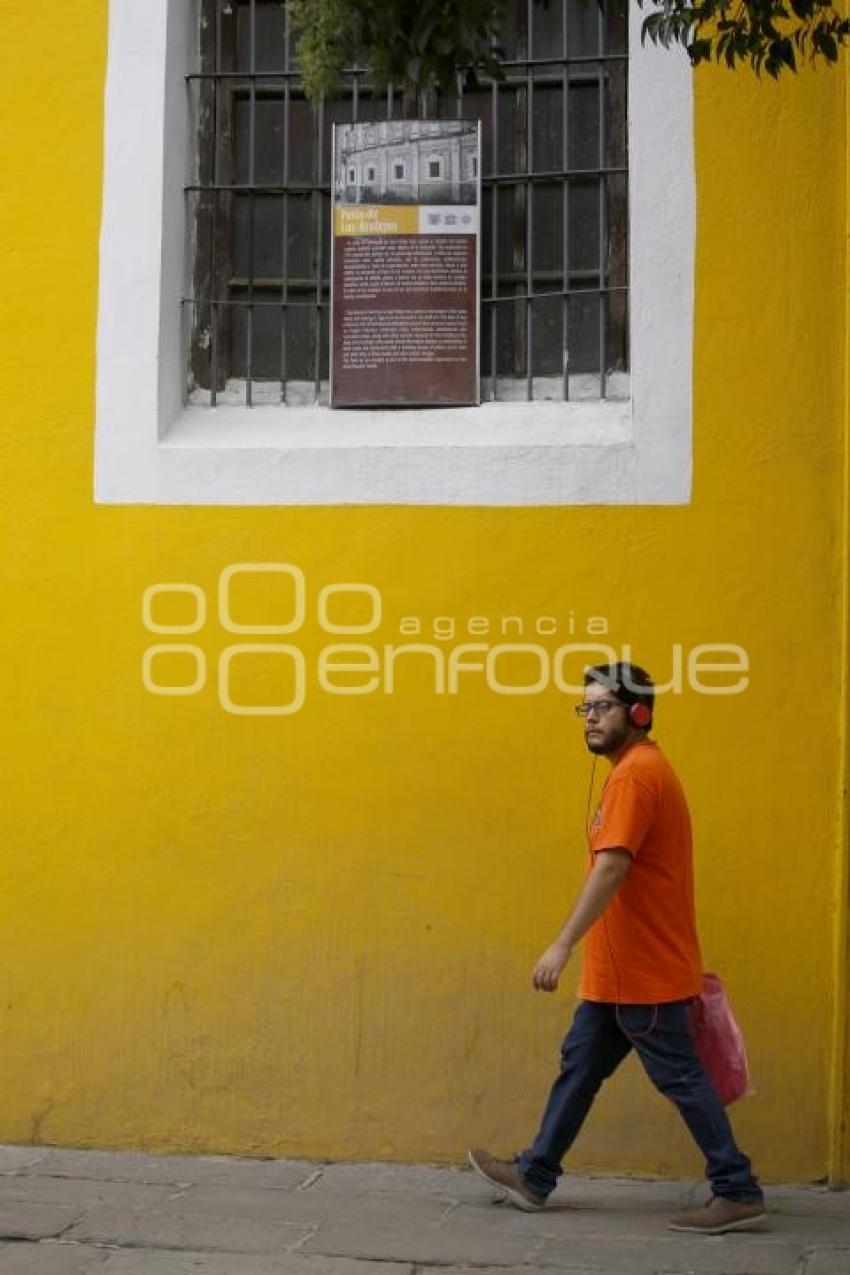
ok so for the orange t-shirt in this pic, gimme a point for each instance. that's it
(644, 948)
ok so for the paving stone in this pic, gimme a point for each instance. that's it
(130, 1166)
(448, 1183)
(811, 1201)
(604, 1216)
(464, 1184)
(390, 1236)
(810, 1230)
(518, 1270)
(81, 1193)
(628, 1194)
(50, 1258)
(13, 1159)
(311, 1208)
(216, 1215)
(563, 1220)
(162, 1262)
(835, 1261)
(745, 1254)
(21, 1220)
(182, 1228)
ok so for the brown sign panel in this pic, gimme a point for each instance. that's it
(404, 291)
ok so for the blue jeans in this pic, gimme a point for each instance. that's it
(593, 1048)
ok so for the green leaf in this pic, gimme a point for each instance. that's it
(699, 51)
(425, 43)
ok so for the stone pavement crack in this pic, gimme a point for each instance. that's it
(305, 1239)
(308, 1182)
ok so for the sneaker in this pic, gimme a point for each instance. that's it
(721, 1215)
(505, 1176)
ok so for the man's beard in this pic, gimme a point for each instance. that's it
(607, 744)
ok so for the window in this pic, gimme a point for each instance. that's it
(370, 173)
(554, 321)
(156, 444)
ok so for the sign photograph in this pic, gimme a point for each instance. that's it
(405, 280)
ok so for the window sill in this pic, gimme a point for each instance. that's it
(496, 454)
(491, 425)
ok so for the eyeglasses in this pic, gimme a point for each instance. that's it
(600, 706)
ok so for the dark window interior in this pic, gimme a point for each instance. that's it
(554, 246)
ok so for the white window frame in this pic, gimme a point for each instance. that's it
(151, 447)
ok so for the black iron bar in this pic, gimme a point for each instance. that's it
(491, 300)
(308, 304)
(565, 200)
(252, 130)
(514, 63)
(266, 85)
(603, 232)
(556, 292)
(556, 61)
(529, 201)
(318, 226)
(284, 262)
(214, 211)
(501, 179)
(494, 246)
(307, 284)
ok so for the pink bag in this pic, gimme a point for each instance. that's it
(719, 1042)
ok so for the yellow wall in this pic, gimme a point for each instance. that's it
(313, 935)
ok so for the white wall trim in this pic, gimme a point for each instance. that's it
(151, 447)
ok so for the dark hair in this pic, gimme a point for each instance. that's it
(629, 682)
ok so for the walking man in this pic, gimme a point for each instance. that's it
(641, 966)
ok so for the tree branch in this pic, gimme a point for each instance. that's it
(425, 44)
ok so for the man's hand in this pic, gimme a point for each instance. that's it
(548, 968)
(608, 870)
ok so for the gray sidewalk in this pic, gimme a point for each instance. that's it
(76, 1212)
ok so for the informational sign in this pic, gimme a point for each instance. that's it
(404, 290)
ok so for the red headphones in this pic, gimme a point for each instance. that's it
(640, 715)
